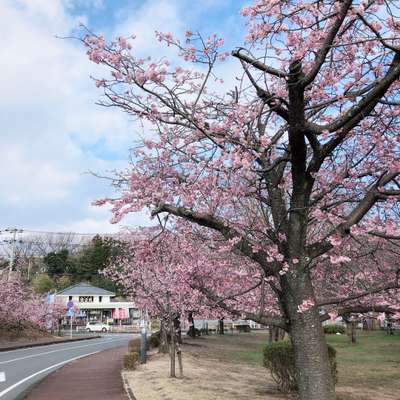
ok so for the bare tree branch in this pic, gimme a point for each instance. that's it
(324, 50)
(340, 300)
(257, 64)
(207, 220)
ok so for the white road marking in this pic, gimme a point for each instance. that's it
(111, 337)
(56, 351)
(2, 376)
(12, 387)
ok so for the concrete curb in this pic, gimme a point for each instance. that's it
(127, 388)
(29, 345)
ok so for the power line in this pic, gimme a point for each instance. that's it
(72, 232)
(68, 233)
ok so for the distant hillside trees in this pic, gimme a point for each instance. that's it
(64, 267)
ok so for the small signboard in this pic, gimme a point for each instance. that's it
(70, 312)
(70, 304)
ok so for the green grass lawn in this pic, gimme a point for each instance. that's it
(372, 363)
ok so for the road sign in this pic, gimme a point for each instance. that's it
(70, 304)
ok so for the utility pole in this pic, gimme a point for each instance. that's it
(143, 337)
(14, 232)
(29, 268)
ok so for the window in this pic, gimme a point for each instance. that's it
(70, 298)
(100, 299)
(85, 299)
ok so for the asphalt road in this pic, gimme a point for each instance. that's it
(22, 368)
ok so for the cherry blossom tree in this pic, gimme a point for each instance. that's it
(171, 274)
(366, 283)
(188, 269)
(297, 162)
(21, 308)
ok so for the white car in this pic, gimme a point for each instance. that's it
(97, 327)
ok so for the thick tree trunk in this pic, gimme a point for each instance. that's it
(314, 376)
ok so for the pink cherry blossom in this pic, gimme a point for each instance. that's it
(297, 161)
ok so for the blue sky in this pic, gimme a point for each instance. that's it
(52, 133)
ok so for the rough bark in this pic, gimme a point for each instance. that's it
(314, 375)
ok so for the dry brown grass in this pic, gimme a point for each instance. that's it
(230, 367)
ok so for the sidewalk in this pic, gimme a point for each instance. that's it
(7, 346)
(96, 377)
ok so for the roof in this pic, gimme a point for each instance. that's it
(84, 289)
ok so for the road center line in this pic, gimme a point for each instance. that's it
(4, 392)
(58, 350)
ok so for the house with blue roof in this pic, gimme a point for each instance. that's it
(91, 303)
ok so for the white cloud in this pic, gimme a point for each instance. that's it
(96, 4)
(47, 109)
(52, 131)
(97, 221)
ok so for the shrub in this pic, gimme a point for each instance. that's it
(131, 360)
(243, 328)
(134, 345)
(333, 329)
(279, 359)
(154, 340)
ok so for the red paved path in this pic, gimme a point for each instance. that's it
(96, 377)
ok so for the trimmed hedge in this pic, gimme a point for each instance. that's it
(333, 329)
(279, 359)
(131, 360)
